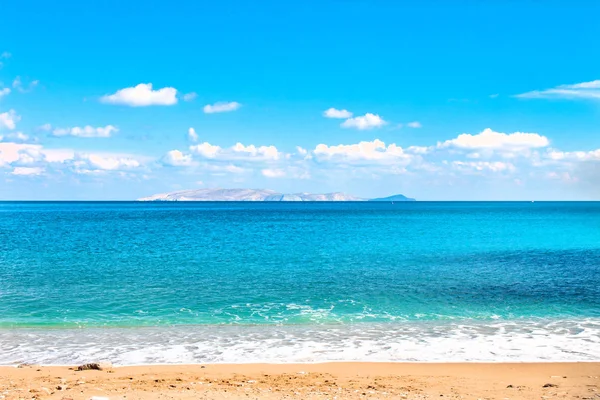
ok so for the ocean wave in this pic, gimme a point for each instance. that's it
(426, 341)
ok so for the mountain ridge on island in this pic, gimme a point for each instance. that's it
(259, 195)
(396, 197)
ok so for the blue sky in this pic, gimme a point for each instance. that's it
(461, 100)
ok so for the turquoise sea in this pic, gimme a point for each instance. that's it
(136, 283)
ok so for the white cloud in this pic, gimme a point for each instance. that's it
(494, 166)
(29, 156)
(18, 84)
(334, 113)
(574, 155)
(20, 153)
(5, 54)
(11, 152)
(34, 159)
(97, 162)
(57, 155)
(86, 131)
(221, 107)
(238, 152)
(142, 95)
(301, 151)
(488, 139)
(583, 90)
(566, 177)
(375, 150)
(45, 127)
(189, 96)
(206, 150)
(367, 121)
(225, 168)
(267, 152)
(414, 124)
(28, 171)
(176, 158)
(18, 136)
(418, 149)
(273, 173)
(9, 119)
(234, 169)
(4, 92)
(192, 135)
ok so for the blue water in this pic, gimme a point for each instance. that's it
(279, 282)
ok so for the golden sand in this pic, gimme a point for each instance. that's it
(308, 381)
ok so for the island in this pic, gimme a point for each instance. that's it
(394, 198)
(260, 195)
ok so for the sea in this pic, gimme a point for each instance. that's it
(246, 282)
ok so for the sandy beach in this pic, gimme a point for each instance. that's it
(307, 381)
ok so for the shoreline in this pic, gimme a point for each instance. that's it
(503, 342)
(316, 363)
(342, 380)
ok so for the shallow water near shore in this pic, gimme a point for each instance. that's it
(137, 283)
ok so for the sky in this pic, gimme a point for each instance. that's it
(437, 100)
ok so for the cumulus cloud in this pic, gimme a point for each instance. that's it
(273, 173)
(4, 92)
(176, 158)
(64, 160)
(24, 153)
(222, 106)
(219, 159)
(334, 113)
(29, 157)
(9, 119)
(27, 171)
(142, 95)
(414, 124)
(86, 162)
(86, 131)
(11, 152)
(367, 121)
(266, 152)
(375, 150)
(583, 90)
(490, 140)
(189, 96)
(192, 135)
(206, 150)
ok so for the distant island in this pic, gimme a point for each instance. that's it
(396, 197)
(260, 195)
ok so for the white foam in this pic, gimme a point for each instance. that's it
(516, 341)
